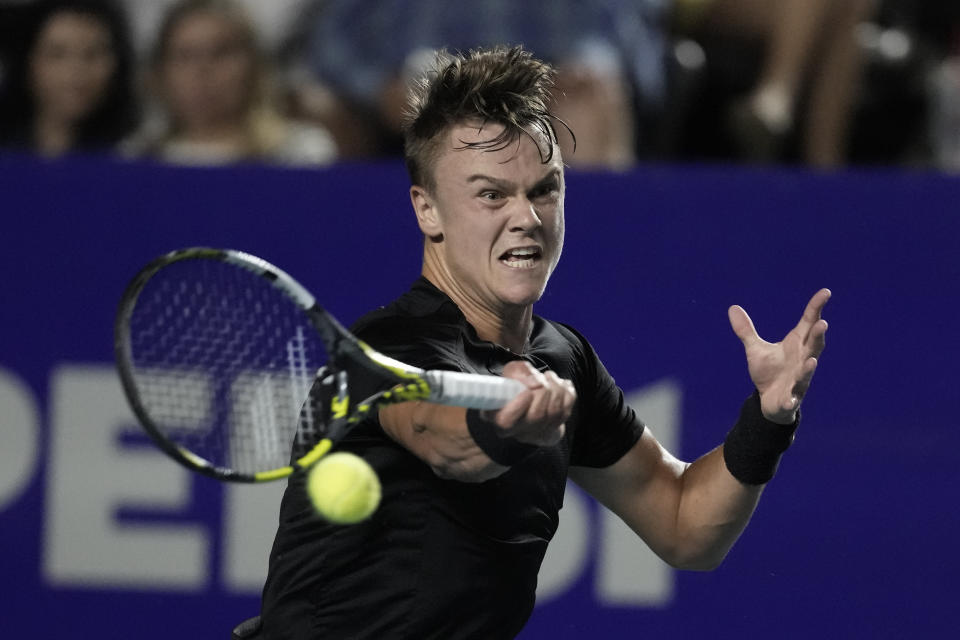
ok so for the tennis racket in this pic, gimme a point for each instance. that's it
(236, 372)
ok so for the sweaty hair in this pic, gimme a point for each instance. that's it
(505, 86)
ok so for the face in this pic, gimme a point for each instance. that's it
(71, 66)
(207, 72)
(500, 217)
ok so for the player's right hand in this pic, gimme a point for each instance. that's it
(538, 415)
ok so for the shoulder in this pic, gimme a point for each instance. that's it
(420, 306)
(569, 353)
(557, 338)
(562, 349)
(419, 327)
(388, 322)
(568, 333)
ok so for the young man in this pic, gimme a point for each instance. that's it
(471, 499)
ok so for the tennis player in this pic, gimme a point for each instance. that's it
(471, 499)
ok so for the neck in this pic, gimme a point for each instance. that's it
(52, 136)
(506, 325)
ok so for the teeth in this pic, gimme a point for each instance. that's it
(521, 258)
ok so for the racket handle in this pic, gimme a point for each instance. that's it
(471, 390)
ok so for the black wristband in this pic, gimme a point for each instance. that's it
(754, 445)
(503, 451)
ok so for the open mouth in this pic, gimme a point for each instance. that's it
(521, 258)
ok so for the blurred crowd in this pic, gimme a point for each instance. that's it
(821, 83)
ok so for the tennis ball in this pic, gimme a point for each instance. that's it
(344, 488)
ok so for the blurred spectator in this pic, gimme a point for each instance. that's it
(609, 55)
(273, 20)
(811, 61)
(943, 85)
(213, 102)
(944, 127)
(67, 83)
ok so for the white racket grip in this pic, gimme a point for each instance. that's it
(471, 390)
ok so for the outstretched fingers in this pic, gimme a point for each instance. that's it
(817, 338)
(742, 325)
(811, 317)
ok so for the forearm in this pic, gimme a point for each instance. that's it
(719, 492)
(692, 514)
(471, 446)
(714, 509)
(438, 435)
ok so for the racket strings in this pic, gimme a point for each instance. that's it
(301, 380)
(223, 361)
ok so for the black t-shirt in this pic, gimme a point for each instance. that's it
(441, 558)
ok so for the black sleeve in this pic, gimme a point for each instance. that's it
(607, 427)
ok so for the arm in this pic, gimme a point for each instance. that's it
(692, 514)
(439, 435)
(688, 514)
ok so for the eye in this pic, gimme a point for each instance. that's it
(546, 191)
(491, 195)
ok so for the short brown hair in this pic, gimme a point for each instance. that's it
(501, 85)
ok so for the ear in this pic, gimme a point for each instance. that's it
(428, 218)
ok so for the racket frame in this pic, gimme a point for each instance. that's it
(410, 383)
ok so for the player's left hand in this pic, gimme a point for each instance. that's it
(782, 371)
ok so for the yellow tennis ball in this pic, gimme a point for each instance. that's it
(344, 488)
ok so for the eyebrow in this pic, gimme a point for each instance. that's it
(507, 184)
(479, 176)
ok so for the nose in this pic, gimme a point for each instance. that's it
(525, 218)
